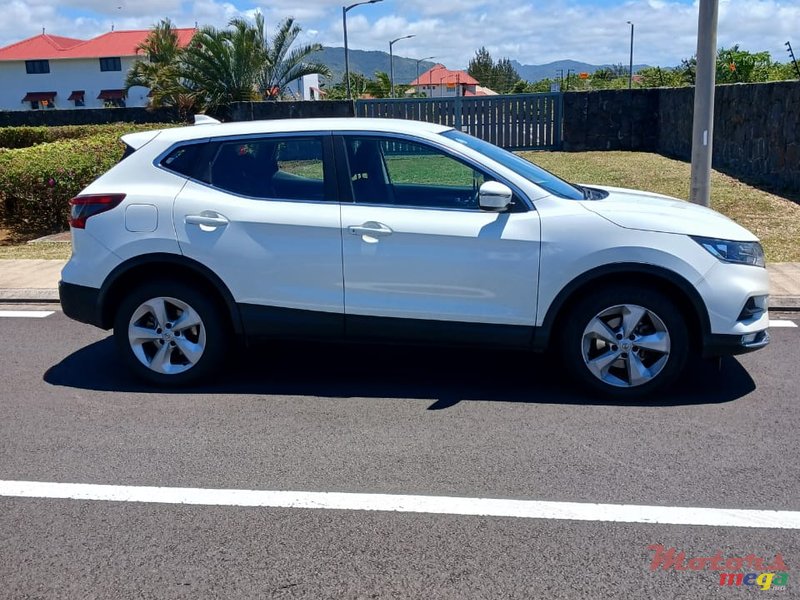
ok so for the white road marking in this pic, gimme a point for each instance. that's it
(782, 323)
(523, 509)
(30, 314)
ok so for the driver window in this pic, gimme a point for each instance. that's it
(404, 173)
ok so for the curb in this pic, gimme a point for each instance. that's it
(9, 295)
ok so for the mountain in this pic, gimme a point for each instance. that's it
(405, 69)
(550, 70)
(367, 62)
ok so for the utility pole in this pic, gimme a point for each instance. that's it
(345, 9)
(630, 67)
(391, 61)
(703, 120)
(794, 60)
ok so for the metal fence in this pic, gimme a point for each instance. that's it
(515, 122)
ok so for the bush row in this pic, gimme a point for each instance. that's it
(36, 183)
(24, 137)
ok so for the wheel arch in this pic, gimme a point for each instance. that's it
(673, 285)
(164, 265)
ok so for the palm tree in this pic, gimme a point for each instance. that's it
(224, 66)
(284, 65)
(160, 71)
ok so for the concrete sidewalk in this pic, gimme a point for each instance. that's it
(37, 281)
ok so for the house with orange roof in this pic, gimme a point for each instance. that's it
(441, 82)
(50, 71)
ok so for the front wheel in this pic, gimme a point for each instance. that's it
(625, 341)
(168, 333)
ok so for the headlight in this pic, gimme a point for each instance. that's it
(742, 253)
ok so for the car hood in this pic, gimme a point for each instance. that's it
(634, 209)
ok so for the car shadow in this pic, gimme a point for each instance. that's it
(447, 375)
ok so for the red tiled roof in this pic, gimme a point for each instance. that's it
(113, 43)
(441, 75)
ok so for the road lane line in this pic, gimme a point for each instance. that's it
(30, 314)
(782, 323)
(448, 505)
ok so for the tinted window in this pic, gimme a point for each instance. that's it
(279, 168)
(396, 171)
(111, 64)
(37, 66)
(183, 160)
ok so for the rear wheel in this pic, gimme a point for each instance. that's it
(168, 333)
(625, 341)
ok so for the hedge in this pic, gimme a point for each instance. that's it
(36, 183)
(24, 137)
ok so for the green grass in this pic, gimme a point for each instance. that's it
(41, 250)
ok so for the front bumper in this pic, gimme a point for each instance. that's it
(720, 344)
(80, 302)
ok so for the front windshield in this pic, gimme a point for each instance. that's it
(528, 170)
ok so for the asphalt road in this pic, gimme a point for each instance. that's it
(382, 420)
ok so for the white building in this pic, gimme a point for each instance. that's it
(48, 71)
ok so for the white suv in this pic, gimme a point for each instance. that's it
(386, 230)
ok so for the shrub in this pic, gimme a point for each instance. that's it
(36, 183)
(24, 137)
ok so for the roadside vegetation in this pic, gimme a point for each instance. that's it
(221, 66)
(37, 181)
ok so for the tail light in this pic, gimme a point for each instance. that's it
(83, 207)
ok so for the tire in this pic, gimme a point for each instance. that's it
(625, 341)
(170, 334)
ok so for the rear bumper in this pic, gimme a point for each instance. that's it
(718, 344)
(80, 303)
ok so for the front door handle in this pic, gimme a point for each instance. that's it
(207, 219)
(371, 228)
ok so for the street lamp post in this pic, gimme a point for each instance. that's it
(419, 61)
(568, 76)
(630, 64)
(391, 59)
(345, 10)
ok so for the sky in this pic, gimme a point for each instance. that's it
(532, 32)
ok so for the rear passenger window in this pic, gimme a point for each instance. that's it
(275, 168)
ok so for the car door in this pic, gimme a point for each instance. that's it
(421, 259)
(263, 214)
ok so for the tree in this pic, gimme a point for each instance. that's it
(481, 68)
(224, 66)
(160, 71)
(650, 77)
(735, 65)
(284, 65)
(500, 77)
(505, 76)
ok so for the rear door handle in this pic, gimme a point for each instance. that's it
(371, 228)
(208, 219)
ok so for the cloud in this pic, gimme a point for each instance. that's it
(531, 32)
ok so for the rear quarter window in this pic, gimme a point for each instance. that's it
(186, 160)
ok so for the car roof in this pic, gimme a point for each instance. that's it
(298, 126)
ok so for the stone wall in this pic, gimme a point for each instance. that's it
(611, 120)
(87, 116)
(254, 111)
(756, 127)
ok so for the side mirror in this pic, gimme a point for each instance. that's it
(494, 195)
